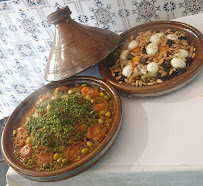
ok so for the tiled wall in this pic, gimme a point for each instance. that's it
(26, 35)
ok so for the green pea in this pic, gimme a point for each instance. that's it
(59, 160)
(56, 156)
(89, 143)
(85, 150)
(83, 85)
(45, 165)
(92, 101)
(101, 120)
(108, 114)
(102, 112)
(106, 97)
(101, 94)
(65, 161)
(88, 97)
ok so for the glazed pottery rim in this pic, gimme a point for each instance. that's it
(166, 85)
(116, 122)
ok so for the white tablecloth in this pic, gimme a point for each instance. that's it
(160, 144)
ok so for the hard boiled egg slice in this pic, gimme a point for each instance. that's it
(127, 70)
(178, 63)
(181, 54)
(133, 44)
(153, 67)
(172, 36)
(152, 48)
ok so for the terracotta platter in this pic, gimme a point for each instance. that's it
(193, 36)
(66, 172)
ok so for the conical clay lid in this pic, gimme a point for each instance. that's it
(76, 47)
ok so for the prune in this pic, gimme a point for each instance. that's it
(166, 65)
(130, 56)
(122, 79)
(183, 37)
(170, 42)
(144, 51)
(189, 60)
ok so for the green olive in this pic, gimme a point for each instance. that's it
(92, 101)
(65, 161)
(101, 94)
(88, 97)
(89, 143)
(29, 140)
(25, 160)
(77, 85)
(85, 150)
(101, 120)
(108, 114)
(30, 161)
(61, 148)
(49, 107)
(56, 97)
(70, 91)
(45, 165)
(60, 160)
(83, 85)
(14, 132)
(102, 112)
(56, 156)
(106, 97)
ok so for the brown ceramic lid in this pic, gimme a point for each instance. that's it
(76, 47)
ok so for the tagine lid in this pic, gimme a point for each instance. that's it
(76, 47)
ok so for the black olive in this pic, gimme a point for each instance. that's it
(166, 65)
(116, 74)
(130, 56)
(144, 61)
(122, 79)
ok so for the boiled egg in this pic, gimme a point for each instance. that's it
(127, 70)
(172, 36)
(133, 44)
(181, 54)
(153, 67)
(178, 63)
(152, 48)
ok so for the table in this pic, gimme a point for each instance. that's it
(160, 142)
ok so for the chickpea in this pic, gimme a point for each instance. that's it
(89, 143)
(101, 120)
(85, 150)
(56, 156)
